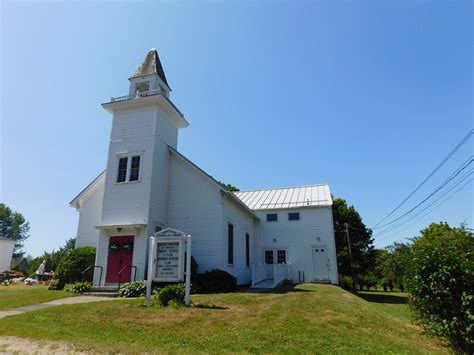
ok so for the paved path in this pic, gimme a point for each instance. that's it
(69, 300)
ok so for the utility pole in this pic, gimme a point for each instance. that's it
(354, 287)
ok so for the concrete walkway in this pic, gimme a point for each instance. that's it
(69, 300)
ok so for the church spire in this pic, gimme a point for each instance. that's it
(151, 65)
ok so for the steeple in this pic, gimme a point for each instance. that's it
(149, 75)
(151, 65)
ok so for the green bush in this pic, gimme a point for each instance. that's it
(215, 281)
(55, 285)
(171, 295)
(72, 264)
(132, 289)
(78, 287)
(440, 282)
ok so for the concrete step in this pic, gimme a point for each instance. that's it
(101, 294)
(104, 288)
(264, 284)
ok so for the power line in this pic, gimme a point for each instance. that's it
(456, 184)
(433, 209)
(357, 229)
(454, 150)
(456, 173)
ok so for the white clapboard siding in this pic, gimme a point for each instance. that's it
(243, 223)
(195, 207)
(89, 204)
(298, 238)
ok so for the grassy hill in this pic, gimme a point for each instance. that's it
(307, 318)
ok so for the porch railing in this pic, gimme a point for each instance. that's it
(119, 274)
(135, 96)
(280, 273)
(95, 267)
(259, 273)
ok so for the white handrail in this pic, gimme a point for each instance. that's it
(259, 273)
(136, 96)
(280, 273)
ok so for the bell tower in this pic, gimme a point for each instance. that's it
(145, 125)
(149, 77)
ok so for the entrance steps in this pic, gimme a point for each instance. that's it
(268, 284)
(103, 291)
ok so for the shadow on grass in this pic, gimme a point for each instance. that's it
(382, 298)
(279, 290)
(207, 306)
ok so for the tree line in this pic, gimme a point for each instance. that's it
(436, 268)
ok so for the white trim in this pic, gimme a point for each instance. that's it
(129, 155)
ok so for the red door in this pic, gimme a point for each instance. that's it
(120, 256)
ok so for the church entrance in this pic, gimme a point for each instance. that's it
(119, 262)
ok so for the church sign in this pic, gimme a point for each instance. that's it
(166, 260)
(169, 261)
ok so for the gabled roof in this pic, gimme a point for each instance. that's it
(289, 197)
(75, 200)
(151, 65)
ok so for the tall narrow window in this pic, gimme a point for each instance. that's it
(268, 256)
(135, 168)
(247, 250)
(122, 169)
(230, 244)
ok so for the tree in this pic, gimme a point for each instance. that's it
(392, 263)
(14, 226)
(229, 187)
(52, 258)
(363, 252)
(73, 263)
(440, 281)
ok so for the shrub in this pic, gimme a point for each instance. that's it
(216, 281)
(440, 282)
(55, 285)
(78, 287)
(132, 289)
(171, 295)
(72, 264)
(345, 282)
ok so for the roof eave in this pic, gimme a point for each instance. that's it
(74, 202)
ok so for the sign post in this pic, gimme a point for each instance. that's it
(187, 300)
(151, 264)
(166, 260)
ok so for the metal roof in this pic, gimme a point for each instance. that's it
(151, 65)
(289, 197)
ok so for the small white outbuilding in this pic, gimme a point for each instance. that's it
(6, 253)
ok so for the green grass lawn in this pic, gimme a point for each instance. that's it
(22, 295)
(308, 318)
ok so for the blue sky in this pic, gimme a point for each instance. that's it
(366, 96)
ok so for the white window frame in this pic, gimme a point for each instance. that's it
(129, 156)
(275, 254)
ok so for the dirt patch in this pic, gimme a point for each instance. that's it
(28, 346)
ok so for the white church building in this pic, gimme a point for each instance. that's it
(262, 237)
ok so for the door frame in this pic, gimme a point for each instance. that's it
(125, 272)
(314, 264)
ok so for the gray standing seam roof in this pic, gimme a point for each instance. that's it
(289, 197)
